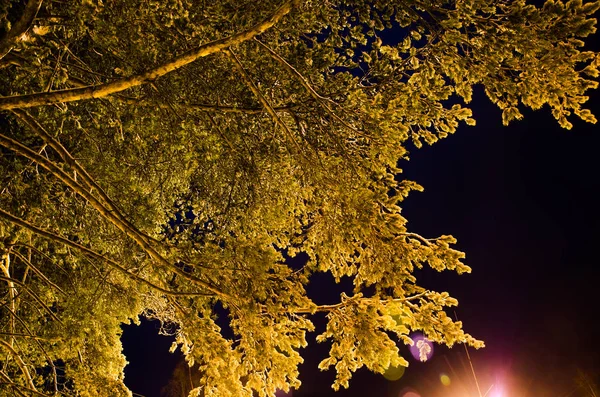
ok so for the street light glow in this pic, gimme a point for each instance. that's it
(497, 391)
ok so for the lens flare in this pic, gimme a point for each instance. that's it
(394, 373)
(497, 391)
(445, 379)
(422, 349)
(411, 394)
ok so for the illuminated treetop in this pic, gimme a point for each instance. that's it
(164, 158)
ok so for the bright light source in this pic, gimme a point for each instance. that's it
(497, 391)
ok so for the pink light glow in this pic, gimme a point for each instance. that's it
(497, 391)
(411, 394)
(422, 349)
(408, 392)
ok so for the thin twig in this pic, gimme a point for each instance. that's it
(318, 97)
(39, 272)
(328, 308)
(261, 98)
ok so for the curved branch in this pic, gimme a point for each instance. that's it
(131, 232)
(17, 387)
(67, 158)
(20, 363)
(102, 90)
(22, 335)
(328, 308)
(31, 247)
(20, 28)
(36, 339)
(189, 106)
(426, 241)
(11, 288)
(51, 236)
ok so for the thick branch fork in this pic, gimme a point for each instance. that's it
(103, 90)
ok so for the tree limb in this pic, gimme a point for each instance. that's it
(318, 97)
(203, 107)
(198, 107)
(38, 272)
(263, 101)
(20, 28)
(102, 90)
(130, 231)
(16, 386)
(5, 265)
(33, 295)
(36, 339)
(51, 236)
(31, 247)
(20, 363)
(22, 335)
(328, 308)
(67, 158)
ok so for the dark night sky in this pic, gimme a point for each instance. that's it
(523, 202)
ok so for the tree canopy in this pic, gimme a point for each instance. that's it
(167, 158)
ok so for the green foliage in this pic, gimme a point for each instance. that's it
(159, 158)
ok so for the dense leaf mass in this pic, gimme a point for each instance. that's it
(163, 158)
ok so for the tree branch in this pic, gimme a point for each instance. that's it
(51, 236)
(20, 363)
(20, 28)
(37, 339)
(130, 231)
(426, 241)
(328, 308)
(203, 107)
(198, 107)
(263, 101)
(67, 158)
(33, 295)
(102, 90)
(16, 387)
(5, 265)
(31, 247)
(38, 272)
(22, 335)
(318, 97)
